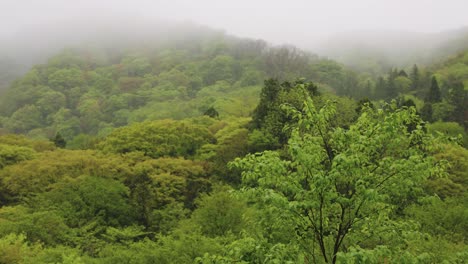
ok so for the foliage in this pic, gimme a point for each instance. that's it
(158, 139)
(150, 132)
(269, 117)
(220, 214)
(14, 249)
(449, 129)
(13, 154)
(59, 141)
(336, 180)
(37, 175)
(85, 199)
(82, 90)
(434, 95)
(456, 182)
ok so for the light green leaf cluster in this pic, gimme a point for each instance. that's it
(336, 180)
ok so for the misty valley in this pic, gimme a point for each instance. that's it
(180, 143)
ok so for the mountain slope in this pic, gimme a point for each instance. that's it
(94, 89)
(454, 68)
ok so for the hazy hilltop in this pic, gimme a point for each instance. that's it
(111, 78)
(30, 29)
(378, 51)
(374, 52)
(35, 44)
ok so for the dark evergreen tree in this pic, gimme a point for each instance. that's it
(459, 99)
(142, 197)
(415, 78)
(425, 82)
(380, 88)
(426, 112)
(402, 102)
(269, 118)
(268, 95)
(391, 90)
(367, 90)
(408, 103)
(434, 94)
(211, 112)
(402, 73)
(59, 141)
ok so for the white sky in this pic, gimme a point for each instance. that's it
(291, 21)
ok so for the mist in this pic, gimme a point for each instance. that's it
(31, 31)
(298, 22)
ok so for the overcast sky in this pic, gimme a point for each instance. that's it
(276, 21)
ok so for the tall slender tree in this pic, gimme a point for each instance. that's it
(415, 78)
(458, 97)
(391, 90)
(434, 95)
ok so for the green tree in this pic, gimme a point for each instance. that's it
(268, 115)
(391, 88)
(415, 78)
(15, 249)
(285, 62)
(50, 102)
(426, 112)
(442, 111)
(219, 68)
(402, 73)
(87, 199)
(64, 79)
(158, 138)
(402, 84)
(59, 141)
(211, 112)
(29, 177)
(456, 184)
(24, 119)
(142, 196)
(362, 104)
(220, 213)
(39, 226)
(380, 88)
(458, 97)
(337, 181)
(434, 94)
(13, 154)
(136, 66)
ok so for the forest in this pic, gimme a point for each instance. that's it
(204, 147)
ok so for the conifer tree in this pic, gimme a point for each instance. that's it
(415, 78)
(434, 94)
(59, 141)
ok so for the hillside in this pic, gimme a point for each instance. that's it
(453, 69)
(188, 145)
(194, 191)
(93, 90)
(437, 91)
